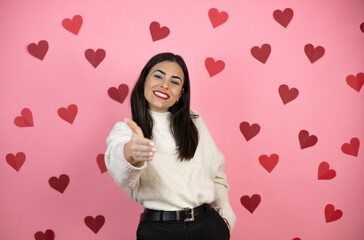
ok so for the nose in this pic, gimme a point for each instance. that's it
(165, 84)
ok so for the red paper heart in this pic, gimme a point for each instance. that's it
(157, 31)
(313, 53)
(324, 173)
(249, 131)
(68, 114)
(306, 140)
(48, 235)
(261, 54)
(101, 162)
(283, 18)
(15, 161)
(73, 25)
(119, 94)
(95, 223)
(352, 148)
(95, 58)
(60, 184)
(269, 162)
(39, 51)
(355, 82)
(214, 67)
(287, 94)
(362, 27)
(25, 120)
(217, 18)
(331, 214)
(250, 203)
(296, 238)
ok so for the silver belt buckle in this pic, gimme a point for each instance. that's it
(192, 218)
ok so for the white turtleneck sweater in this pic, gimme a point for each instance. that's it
(166, 183)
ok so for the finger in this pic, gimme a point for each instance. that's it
(141, 150)
(143, 141)
(134, 127)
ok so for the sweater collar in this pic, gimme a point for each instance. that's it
(160, 120)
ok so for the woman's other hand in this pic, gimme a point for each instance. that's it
(139, 149)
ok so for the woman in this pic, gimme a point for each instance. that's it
(166, 160)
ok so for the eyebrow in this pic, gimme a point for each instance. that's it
(173, 76)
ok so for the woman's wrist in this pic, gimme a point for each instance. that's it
(227, 223)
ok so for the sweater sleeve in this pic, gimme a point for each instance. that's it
(124, 174)
(221, 203)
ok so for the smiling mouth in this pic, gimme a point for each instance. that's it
(161, 95)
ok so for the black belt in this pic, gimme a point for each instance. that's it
(186, 215)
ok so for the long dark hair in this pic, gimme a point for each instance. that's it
(183, 129)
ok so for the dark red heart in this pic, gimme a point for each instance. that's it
(95, 58)
(60, 184)
(287, 94)
(214, 67)
(250, 203)
(261, 54)
(355, 82)
(39, 51)
(73, 25)
(313, 53)
(157, 32)
(119, 94)
(15, 161)
(324, 172)
(351, 148)
(296, 238)
(306, 140)
(283, 18)
(68, 114)
(362, 27)
(217, 18)
(331, 214)
(269, 162)
(249, 131)
(25, 120)
(101, 162)
(48, 235)
(95, 223)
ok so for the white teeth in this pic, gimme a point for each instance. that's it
(161, 94)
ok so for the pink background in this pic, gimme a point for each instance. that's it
(293, 199)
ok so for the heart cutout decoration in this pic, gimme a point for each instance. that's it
(25, 120)
(313, 53)
(324, 172)
(261, 53)
(157, 32)
(60, 184)
(48, 235)
(73, 25)
(16, 161)
(287, 94)
(362, 27)
(68, 114)
(331, 214)
(351, 148)
(217, 18)
(283, 18)
(100, 159)
(214, 67)
(95, 224)
(119, 94)
(249, 131)
(95, 57)
(38, 50)
(306, 140)
(270, 162)
(357, 82)
(250, 203)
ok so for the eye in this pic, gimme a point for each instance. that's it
(175, 82)
(157, 76)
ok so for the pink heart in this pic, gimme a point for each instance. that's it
(217, 18)
(68, 114)
(331, 214)
(306, 140)
(351, 148)
(355, 82)
(157, 32)
(119, 94)
(261, 54)
(313, 53)
(249, 131)
(95, 58)
(324, 172)
(95, 224)
(283, 18)
(250, 203)
(73, 25)
(287, 94)
(214, 67)
(269, 162)
(15, 161)
(101, 162)
(48, 235)
(39, 51)
(60, 184)
(25, 120)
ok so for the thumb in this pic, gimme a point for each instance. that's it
(134, 127)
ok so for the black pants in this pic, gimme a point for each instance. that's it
(209, 227)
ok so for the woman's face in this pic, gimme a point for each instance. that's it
(163, 85)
